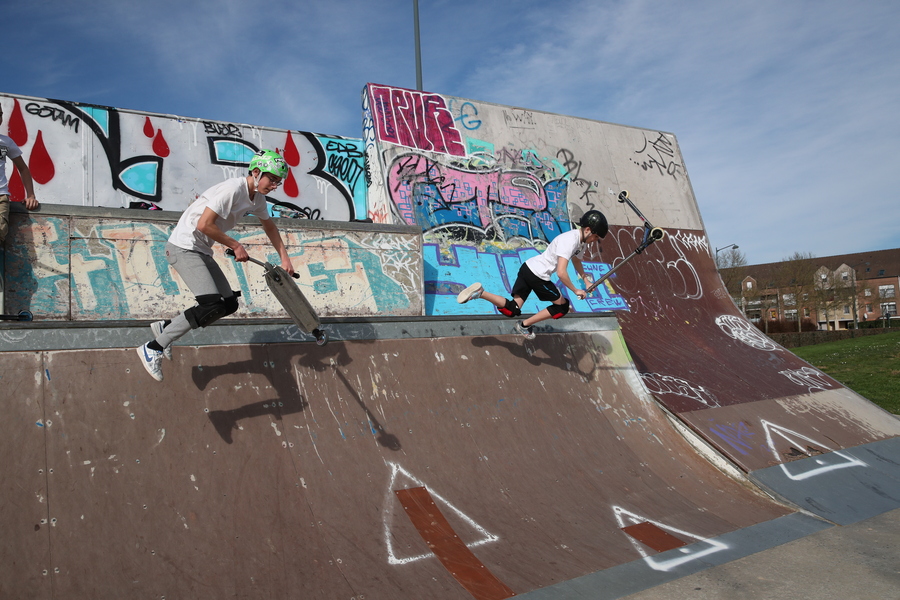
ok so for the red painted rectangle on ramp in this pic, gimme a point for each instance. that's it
(456, 557)
(654, 537)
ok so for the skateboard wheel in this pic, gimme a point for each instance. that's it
(623, 195)
(656, 233)
(25, 315)
(321, 337)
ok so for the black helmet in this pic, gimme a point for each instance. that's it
(596, 221)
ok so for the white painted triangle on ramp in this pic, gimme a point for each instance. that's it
(398, 474)
(704, 547)
(797, 472)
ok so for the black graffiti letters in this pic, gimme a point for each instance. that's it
(573, 173)
(342, 162)
(223, 129)
(658, 155)
(50, 112)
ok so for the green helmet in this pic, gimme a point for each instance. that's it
(269, 161)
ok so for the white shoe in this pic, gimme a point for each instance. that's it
(157, 329)
(472, 292)
(523, 330)
(151, 359)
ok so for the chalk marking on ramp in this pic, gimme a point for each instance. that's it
(690, 552)
(792, 437)
(393, 559)
(744, 332)
(807, 377)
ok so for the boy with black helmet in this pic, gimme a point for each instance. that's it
(534, 275)
(189, 251)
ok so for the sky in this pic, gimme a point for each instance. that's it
(786, 111)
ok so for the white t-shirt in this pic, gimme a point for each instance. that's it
(10, 149)
(564, 245)
(230, 200)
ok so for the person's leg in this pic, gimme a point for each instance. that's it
(510, 308)
(548, 292)
(559, 307)
(208, 283)
(4, 217)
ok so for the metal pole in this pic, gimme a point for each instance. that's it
(418, 46)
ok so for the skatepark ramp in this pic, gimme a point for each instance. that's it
(289, 470)
(425, 452)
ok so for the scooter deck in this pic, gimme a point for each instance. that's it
(291, 298)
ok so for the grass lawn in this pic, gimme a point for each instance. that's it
(870, 366)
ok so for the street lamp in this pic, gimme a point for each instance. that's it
(418, 45)
(733, 246)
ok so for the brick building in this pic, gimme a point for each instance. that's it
(834, 292)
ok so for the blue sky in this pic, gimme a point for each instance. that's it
(786, 111)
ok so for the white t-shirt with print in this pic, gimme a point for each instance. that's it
(8, 148)
(565, 245)
(230, 200)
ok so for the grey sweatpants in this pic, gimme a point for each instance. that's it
(202, 274)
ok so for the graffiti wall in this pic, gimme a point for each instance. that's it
(98, 265)
(87, 155)
(490, 186)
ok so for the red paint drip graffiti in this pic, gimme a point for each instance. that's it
(40, 164)
(16, 189)
(290, 185)
(148, 127)
(291, 154)
(160, 145)
(17, 129)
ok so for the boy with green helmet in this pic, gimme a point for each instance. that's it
(269, 161)
(190, 251)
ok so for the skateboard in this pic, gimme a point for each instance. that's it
(651, 234)
(291, 298)
(23, 315)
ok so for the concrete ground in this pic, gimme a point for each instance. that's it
(856, 562)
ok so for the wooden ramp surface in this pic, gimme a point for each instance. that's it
(277, 471)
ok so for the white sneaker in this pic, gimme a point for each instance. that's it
(157, 329)
(526, 331)
(472, 292)
(151, 359)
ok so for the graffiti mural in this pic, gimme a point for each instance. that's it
(95, 269)
(90, 155)
(486, 191)
(482, 204)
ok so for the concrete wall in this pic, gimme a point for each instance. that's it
(93, 264)
(88, 155)
(489, 186)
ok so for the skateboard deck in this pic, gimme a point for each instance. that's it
(291, 299)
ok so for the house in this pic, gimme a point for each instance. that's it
(834, 292)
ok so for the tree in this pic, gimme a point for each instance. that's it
(731, 265)
(796, 281)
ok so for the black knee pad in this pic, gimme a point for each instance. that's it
(511, 309)
(558, 311)
(210, 308)
(231, 304)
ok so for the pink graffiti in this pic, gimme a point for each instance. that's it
(515, 189)
(416, 120)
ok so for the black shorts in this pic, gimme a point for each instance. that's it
(526, 282)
